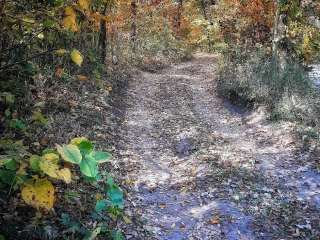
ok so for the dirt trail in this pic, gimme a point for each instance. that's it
(201, 168)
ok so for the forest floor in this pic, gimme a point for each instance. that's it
(199, 167)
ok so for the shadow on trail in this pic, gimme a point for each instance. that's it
(231, 183)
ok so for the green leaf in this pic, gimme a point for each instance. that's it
(2, 237)
(102, 205)
(7, 176)
(92, 235)
(70, 153)
(114, 193)
(17, 124)
(34, 162)
(85, 147)
(117, 235)
(10, 164)
(101, 157)
(48, 23)
(88, 166)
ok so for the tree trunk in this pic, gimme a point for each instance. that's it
(133, 24)
(103, 35)
(276, 37)
(177, 19)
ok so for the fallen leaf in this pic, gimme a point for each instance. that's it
(162, 205)
(76, 57)
(59, 72)
(214, 220)
(82, 78)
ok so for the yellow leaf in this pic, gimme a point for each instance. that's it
(76, 141)
(49, 165)
(70, 23)
(69, 11)
(39, 195)
(51, 157)
(60, 52)
(76, 57)
(70, 19)
(84, 4)
(82, 78)
(65, 175)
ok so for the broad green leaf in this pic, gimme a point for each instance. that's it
(10, 164)
(114, 193)
(102, 205)
(40, 194)
(101, 157)
(85, 147)
(88, 166)
(70, 153)
(34, 162)
(7, 176)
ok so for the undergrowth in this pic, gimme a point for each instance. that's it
(255, 78)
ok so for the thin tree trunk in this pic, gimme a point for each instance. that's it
(276, 37)
(133, 24)
(103, 35)
(178, 18)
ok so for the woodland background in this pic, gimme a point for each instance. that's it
(63, 61)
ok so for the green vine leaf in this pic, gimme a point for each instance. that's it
(101, 157)
(70, 153)
(88, 166)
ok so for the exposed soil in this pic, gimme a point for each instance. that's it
(199, 167)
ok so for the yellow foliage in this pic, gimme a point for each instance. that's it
(84, 4)
(51, 157)
(49, 165)
(65, 175)
(39, 195)
(76, 57)
(70, 23)
(60, 52)
(69, 11)
(70, 19)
